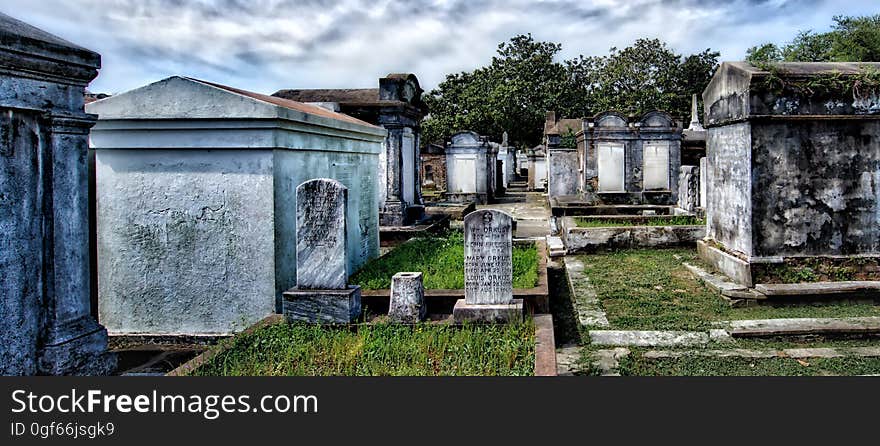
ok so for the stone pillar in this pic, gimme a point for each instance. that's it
(407, 298)
(393, 208)
(47, 325)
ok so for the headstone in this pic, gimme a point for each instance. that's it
(321, 294)
(407, 298)
(488, 269)
(320, 235)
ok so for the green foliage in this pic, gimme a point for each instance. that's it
(441, 260)
(524, 80)
(378, 349)
(649, 289)
(678, 220)
(568, 140)
(851, 39)
(767, 52)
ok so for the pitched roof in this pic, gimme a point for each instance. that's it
(288, 103)
(342, 95)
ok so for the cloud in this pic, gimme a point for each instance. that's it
(266, 45)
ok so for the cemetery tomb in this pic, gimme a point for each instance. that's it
(537, 169)
(196, 187)
(47, 328)
(396, 106)
(629, 162)
(562, 155)
(488, 269)
(791, 172)
(468, 173)
(321, 293)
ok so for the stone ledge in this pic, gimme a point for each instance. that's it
(819, 288)
(545, 346)
(322, 306)
(487, 313)
(737, 269)
(648, 338)
(803, 326)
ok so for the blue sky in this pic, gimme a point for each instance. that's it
(266, 45)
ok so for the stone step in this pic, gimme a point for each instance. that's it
(648, 338)
(803, 326)
(818, 288)
(555, 246)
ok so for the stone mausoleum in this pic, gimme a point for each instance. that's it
(47, 326)
(470, 168)
(793, 165)
(396, 106)
(196, 201)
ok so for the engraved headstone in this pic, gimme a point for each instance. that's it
(488, 262)
(488, 269)
(321, 294)
(407, 298)
(320, 234)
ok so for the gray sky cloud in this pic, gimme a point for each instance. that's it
(266, 45)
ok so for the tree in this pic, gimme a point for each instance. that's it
(851, 39)
(524, 80)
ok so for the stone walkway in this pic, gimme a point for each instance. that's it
(530, 209)
(586, 302)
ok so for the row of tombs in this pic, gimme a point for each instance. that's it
(193, 191)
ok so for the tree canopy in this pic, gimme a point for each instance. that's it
(851, 39)
(525, 79)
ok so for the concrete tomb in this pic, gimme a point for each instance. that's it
(488, 269)
(407, 298)
(197, 204)
(470, 164)
(563, 167)
(537, 159)
(792, 172)
(321, 293)
(396, 106)
(629, 162)
(47, 326)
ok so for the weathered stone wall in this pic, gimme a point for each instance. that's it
(185, 241)
(728, 186)
(816, 187)
(562, 172)
(21, 192)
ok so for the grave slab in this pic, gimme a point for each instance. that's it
(640, 338)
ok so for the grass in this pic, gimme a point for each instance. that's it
(635, 364)
(378, 349)
(679, 220)
(441, 260)
(649, 289)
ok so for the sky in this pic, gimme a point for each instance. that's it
(267, 45)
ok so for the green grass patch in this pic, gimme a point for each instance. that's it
(441, 260)
(636, 365)
(378, 349)
(678, 220)
(649, 289)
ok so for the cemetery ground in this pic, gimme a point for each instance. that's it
(642, 312)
